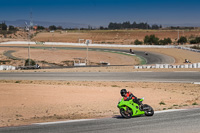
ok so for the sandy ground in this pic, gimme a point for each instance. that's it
(26, 102)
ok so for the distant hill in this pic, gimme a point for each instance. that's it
(21, 23)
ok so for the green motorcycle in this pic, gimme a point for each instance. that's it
(129, 109)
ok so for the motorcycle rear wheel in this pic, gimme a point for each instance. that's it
(126, 114)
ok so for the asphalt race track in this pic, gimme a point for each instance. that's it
(186, 77)
(185, 121)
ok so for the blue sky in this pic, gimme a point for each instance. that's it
(101, 12)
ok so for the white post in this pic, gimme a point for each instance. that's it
(87, 43)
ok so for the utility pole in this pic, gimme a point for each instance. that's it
(29, 47)
(87, 43)
(29, 37)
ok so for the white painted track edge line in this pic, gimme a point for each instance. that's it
(60, 122)
(170, 110)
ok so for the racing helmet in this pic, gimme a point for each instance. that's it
(123, 92)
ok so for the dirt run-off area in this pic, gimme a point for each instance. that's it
(27, 102)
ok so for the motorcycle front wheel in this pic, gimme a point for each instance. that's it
(149, 111)
(126, 114)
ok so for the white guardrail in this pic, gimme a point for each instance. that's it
(193, 65)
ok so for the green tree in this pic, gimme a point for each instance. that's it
(195, 41)
(155, 26)
(59, 28)
(151, 40)
(165, 41)
(11, 28)
(137, 42)
(146, 39)
(182, 40)
(32, 62)
(52, 27)
(3, 26)
(40, 28)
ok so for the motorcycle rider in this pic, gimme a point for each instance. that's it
(128, 96)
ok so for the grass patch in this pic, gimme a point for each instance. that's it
(195, 103)
(17, 81)
(162, 103)
(115, 86)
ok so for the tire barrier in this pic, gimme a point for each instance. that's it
(166, 66)
(5, 67)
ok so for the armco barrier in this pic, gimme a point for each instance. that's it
(164, 66)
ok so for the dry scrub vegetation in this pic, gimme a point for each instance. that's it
(110, 36)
